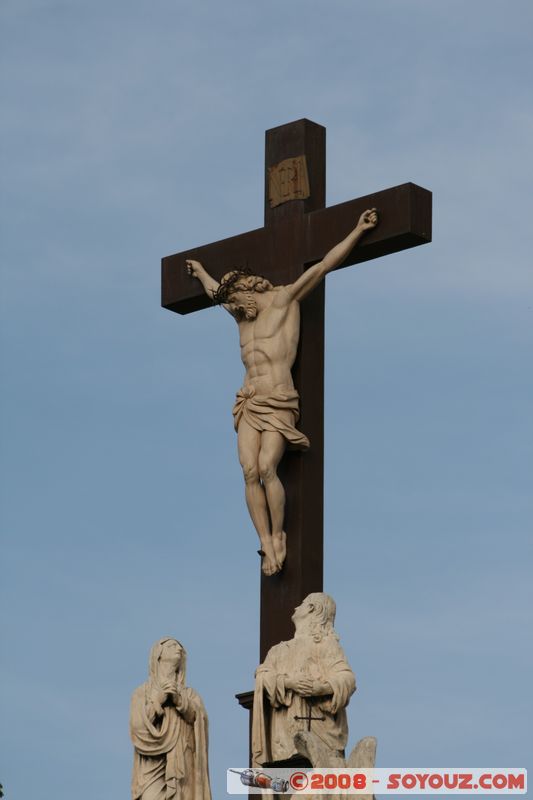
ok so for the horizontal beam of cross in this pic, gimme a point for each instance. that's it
(404, 221)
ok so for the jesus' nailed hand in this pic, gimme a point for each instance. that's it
(267, 410)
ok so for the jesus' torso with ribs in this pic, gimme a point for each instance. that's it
(269, 343)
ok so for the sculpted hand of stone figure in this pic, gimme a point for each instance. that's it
(168, 727)
(307, 687)
(267, 406)
(303, 685)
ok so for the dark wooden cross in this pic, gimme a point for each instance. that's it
(297, 233)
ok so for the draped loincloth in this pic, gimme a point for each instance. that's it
(278, 411)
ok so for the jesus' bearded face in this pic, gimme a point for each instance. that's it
(242, 304)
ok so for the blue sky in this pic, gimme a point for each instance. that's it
(132, 130)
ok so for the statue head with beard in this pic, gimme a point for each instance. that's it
(237, 292)
(315, 617)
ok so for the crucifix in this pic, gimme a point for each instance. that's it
(298, 231)
(297, 234)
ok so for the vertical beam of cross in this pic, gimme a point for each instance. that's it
(301, 473)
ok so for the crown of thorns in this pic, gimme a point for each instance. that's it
(227, 284)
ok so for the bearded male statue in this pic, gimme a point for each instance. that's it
(303, 686)
(267, 406)
(168, 727)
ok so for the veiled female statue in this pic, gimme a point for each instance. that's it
(168, 727)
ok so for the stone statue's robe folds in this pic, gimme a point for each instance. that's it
(275, 707)
(170, 757)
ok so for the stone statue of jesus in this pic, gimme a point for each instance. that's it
(267, 406)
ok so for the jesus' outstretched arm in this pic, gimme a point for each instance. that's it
(312, 277)
(196, 270)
